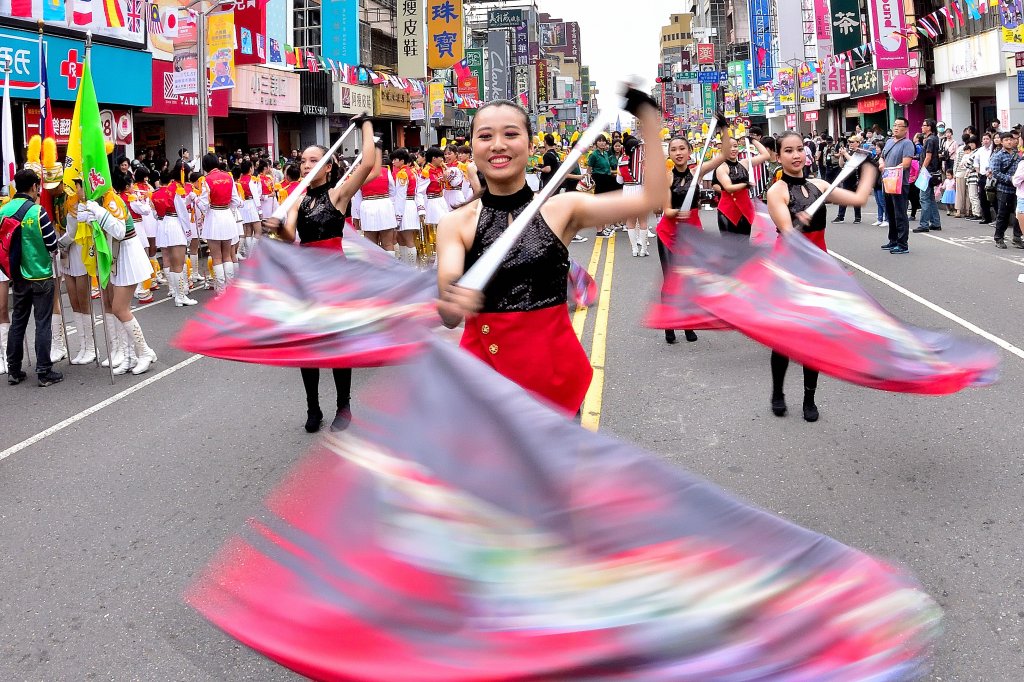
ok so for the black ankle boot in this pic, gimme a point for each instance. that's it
(314, 419)
(779, 404)
(670, 336)
(810, 409)
(691, 335)
(342, 419)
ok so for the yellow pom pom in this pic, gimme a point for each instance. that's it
(665, 134)
(35, 143)
(109, 147)
(444, 142)
(49, 152)
(704, 128)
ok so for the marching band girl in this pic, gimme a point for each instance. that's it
(217, 202)
(373, 206)
(249, 211)
(146, 230)
(453, 178)
(406, 206)
(172, 237)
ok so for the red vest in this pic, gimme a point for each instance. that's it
(221, 183)
(128, 197)
(290, 187)
(267, 184)
(378, 187)
(163, 201)
(246, 191)
(436, 176)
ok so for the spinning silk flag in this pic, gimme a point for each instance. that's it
(798, 300)
(317, 307)
(490, 539)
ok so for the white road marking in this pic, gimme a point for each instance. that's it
(969, 326)
(963, 242)
(60, 426)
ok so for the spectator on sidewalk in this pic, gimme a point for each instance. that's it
(981, 159)
(32, 285)
(898, 152)
(1002, 166)
(931, 164)
(879, 193)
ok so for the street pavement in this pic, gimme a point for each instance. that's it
(109, 516)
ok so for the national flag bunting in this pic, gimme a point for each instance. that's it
(113, 14)
(524, 547)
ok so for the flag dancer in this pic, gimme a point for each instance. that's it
(517, 321)
(735, 207)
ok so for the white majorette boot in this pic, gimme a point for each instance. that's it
(181, 294)
(145, 354)
(116, 357)
(5, 329)
(58, 349)
(130, 358)
(219, 278)
(88, 352)
(643, 240)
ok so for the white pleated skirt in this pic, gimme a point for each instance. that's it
(220, 225)
(147, 226)
(632, 190)
(454, 198)
(250, 214)
(170, 233)
(133, 264)
(268, 204)
(76, 268)
(377, 215)
(411, 217)
(3, 277)
(435, 209)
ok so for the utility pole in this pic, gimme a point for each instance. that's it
(201, 89)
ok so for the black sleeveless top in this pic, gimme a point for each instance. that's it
(737, 173)
(798, 202)
(318, 218)
(680, 186)
(534, 273)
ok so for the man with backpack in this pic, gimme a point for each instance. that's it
(27, 240)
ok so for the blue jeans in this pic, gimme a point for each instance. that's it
(929, 209)
(880, 205)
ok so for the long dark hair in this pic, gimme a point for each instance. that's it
(336, 171)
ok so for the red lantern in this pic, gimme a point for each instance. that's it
(904, 88)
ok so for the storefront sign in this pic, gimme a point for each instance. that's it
(972, 57)
(761, 41)
(166, 101)
(186, 71)
(412, 53)
(120, 75)
(263, 89)
(864, 81)
(834, 79)
(810, 116)
(888, 25)
(873, 104)
(708, 102)
(705, 53)
(1020, 88)
(339, 19)
(116, 123)
(504, 18)
(521, 76)
(497, 65)
(521, 46)
(417, 107)
(389, 102)
(315, 92)
(542, 81)
(475, 64)
(846, 33)
(352, 100)
(445, 33)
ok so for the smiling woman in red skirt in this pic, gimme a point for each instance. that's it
(519, 324)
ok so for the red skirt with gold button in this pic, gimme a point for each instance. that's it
(538, 350)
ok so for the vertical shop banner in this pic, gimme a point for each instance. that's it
(340, 30)
(823, 28)
(445, 33)
(435, 100)
(761, 42)
(220, 50)
(846, 33)
(708, 101)
(185, 71)
(888, 26)
(834, 80)
(412, 53)
(786, 87)
(277, 36)
(521, 46)
(497, 65)
(807, 86)
(475, 64)
(542, 81)
(521, 76)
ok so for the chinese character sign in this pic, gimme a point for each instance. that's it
(761, 42)
(542, 81)
(504, 18)
(475, 64)
(445, 33)
(412, 53)
(846, 29)
(521, 46)
(705, 53)
(888, 25)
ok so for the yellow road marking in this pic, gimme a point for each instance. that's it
(591, 411)
(579, 317)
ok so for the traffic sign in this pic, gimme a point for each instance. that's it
(687, 77)
(708, 77)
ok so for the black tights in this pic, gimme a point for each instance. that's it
(311, 382)
(780, 363)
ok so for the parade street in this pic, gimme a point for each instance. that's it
(114, 497)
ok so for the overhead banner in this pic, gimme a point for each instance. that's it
(412, 54)
(475, 64)
(339, 31)
(220, 50)
(435, 97)
(846, 33)
(786, 87)
(761, 42)
(497, 65)
(504, 18)
(445, 33)
(823, 28)
(888, 25)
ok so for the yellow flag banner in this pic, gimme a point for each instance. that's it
(220, 50)
(446, 33)
(435, 94)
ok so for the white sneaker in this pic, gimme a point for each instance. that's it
(883, 224)
(877, 222)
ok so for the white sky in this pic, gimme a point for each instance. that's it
(618, 38)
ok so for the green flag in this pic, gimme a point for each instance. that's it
(95, 170)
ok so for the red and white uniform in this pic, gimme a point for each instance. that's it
(218, 196)
(171, 209)
(268, 198)
(250, 199)
(373, 206)
(407, 206)
(453, 178)
(431, 188)
(148, 223)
